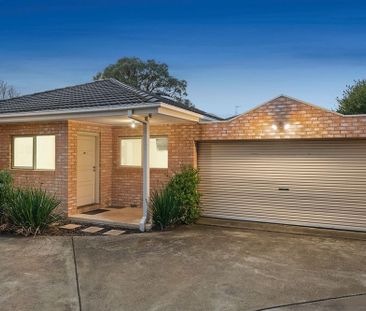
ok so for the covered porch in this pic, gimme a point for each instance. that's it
(91, 206)
(125, 217)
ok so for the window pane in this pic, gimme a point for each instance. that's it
(159, 152)
(45, 157)
(131, 152)
(23, 152)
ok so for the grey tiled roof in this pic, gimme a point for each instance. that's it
(97, 94)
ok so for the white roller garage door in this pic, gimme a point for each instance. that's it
(310, 183)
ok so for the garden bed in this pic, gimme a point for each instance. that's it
(55, 230)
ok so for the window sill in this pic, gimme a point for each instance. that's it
(19, 169)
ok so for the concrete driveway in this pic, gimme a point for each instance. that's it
(194, 268)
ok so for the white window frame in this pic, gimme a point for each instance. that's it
(34, 155)
(140, 138)
(120, 150)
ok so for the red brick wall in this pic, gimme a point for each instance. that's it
(53, 181)
(122, 186)
(127, 181)
(61, 181)
(306, 122)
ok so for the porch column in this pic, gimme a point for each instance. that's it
(145, 172)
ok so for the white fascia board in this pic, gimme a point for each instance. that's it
(201, 117)
(180, 113)
(61, 115)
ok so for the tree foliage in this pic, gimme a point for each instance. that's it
(149, 76)
(7, 91)
(353, 100)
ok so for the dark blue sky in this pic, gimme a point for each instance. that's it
(230, 52)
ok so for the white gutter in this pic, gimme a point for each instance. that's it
(65, 114)
(88, 110)
(145, 167)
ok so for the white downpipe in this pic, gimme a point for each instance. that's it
(146, 173)
(145, 168)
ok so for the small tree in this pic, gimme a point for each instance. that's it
(184, 186)
(7, 91)
(149, 76)
(353, 100)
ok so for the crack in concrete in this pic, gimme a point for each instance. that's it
(76, 272)
(310, 301)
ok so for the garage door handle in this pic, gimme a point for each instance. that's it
(284, 189)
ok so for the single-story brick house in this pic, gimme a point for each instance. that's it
(106, 145)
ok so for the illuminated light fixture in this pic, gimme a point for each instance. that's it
(133, 124)
(274, 127)
(286, 126)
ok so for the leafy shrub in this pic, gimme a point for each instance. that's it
(6, 186)
(30, 211)
(165, 210)
(184, 186)
(179, 201)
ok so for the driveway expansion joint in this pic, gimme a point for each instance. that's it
(76, 273)
(310, 301)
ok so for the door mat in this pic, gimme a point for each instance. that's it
(96, 211)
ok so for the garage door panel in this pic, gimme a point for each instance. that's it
(289, 219)
(288, 213)
(286, 202)
(357, 190)
(256, 205)
(358, 226)
(305, 221)
(326, 182)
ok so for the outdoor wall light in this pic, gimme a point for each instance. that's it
(281, 126)
(133, 124)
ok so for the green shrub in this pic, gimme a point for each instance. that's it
(165, 210)
(179, 201)
(30, 211)
(184, 186)
(6, 186)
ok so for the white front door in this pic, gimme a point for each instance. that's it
(86, 170)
